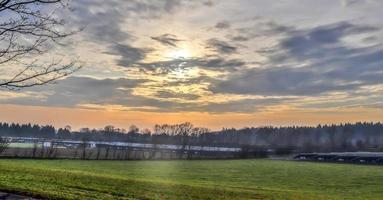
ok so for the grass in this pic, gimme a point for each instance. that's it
(216, 179)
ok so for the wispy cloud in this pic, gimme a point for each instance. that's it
(167, 39)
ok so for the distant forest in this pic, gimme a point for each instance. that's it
(360, 136)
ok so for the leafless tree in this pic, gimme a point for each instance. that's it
(84, 144)
(107, 149)
(183, 131)
(35, 147)
(52, 151)
(99, 149)
(109, 129)
(196, 135)
(155, 141)
(28, 30)
(134, 129)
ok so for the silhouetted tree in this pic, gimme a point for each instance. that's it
(83, 146)
(133, 129)
(361, 136)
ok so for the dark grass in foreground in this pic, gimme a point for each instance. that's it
(229, 179)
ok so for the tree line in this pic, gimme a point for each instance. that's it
(322, 138)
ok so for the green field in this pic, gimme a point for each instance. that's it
(230, 179)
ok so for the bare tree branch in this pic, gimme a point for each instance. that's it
(27, 29)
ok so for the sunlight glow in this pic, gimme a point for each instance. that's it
(179, 54)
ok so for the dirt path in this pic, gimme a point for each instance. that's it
(8, 196)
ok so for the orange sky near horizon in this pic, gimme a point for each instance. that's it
(79, 118)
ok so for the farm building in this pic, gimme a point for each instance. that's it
(343, 157)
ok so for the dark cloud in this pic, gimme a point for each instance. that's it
(102, 26)
(212, 63)
(261, 28)
(83, 90)
(240, 38)
(208, 3)
(239, 106)
(322, 42)
(222, 25)
(106, 21)
(270, 27)
(167, 39)
(279, 81)
(221, 47)
(76, 91)
(329, 65)
(129, 55)
(221, 63)
(348, 3)
(172, 94)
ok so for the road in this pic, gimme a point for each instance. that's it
(8, 196)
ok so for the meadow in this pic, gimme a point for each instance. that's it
(207, 179)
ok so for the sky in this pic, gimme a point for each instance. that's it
(223, 63)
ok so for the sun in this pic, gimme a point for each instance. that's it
(179, 54)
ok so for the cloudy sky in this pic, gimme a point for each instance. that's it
(223, 63)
